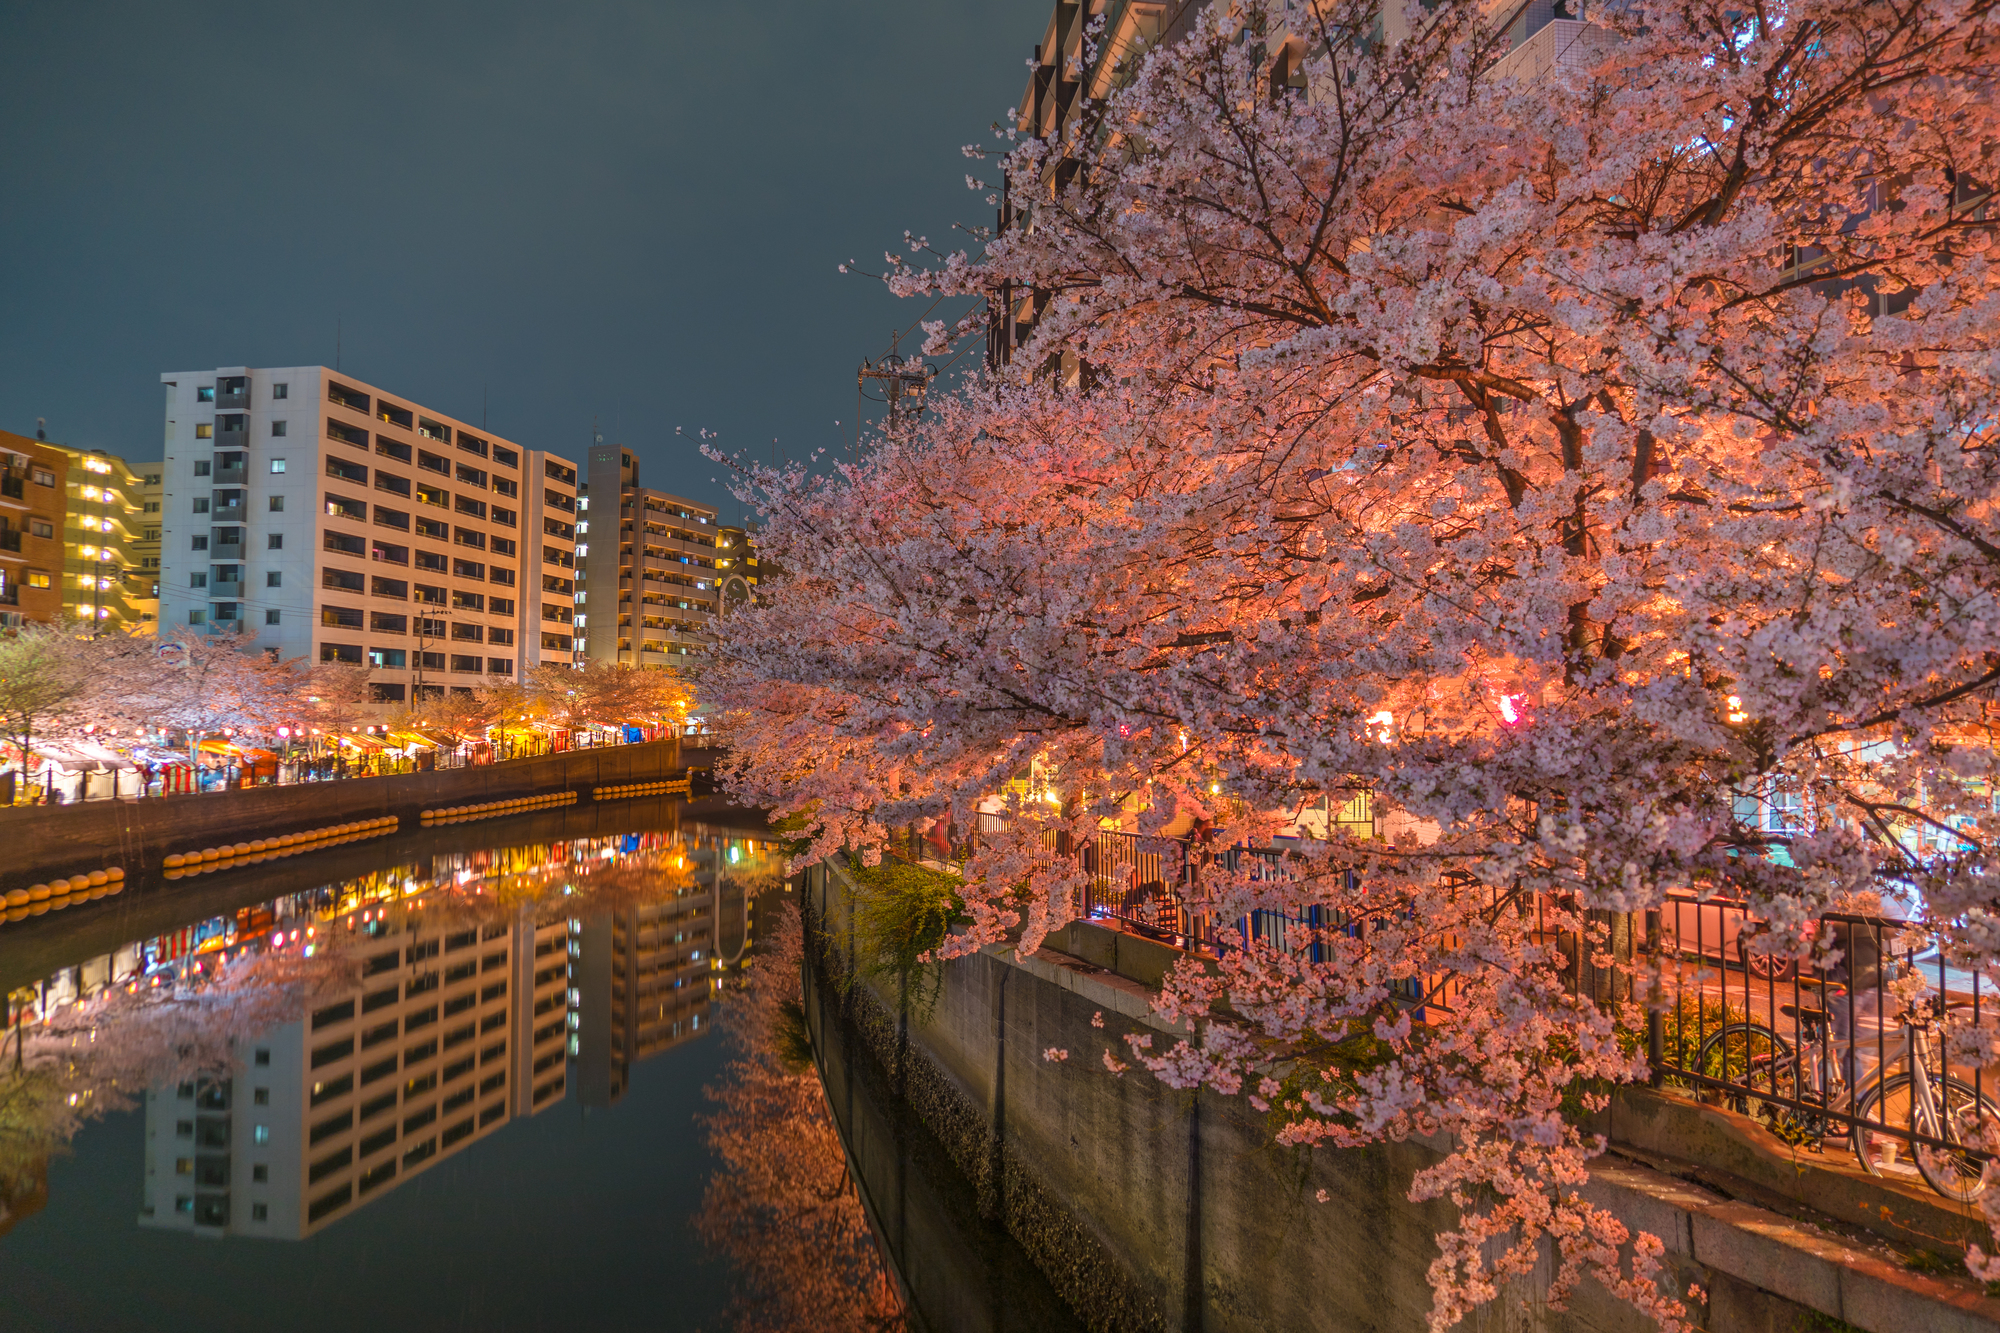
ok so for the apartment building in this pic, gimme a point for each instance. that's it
(325, 518)
(452, 1031)
(33, 514)
(736, 568)
(102, 533)
(650, 591)
(143, 580)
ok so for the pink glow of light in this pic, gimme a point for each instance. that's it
(1508, 712)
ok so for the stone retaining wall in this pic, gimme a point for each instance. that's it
(1148, 1208)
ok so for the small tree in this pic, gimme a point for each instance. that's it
(509, 706)
(44, 683)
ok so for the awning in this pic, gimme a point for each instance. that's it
(92, 750)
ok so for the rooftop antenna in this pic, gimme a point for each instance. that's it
(336, 342)
(41, 428)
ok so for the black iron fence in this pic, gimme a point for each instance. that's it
(1850, 1057)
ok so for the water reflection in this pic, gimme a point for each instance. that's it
(303, 1055)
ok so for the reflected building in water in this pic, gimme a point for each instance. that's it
(488, 985)
(647, 975)
(455, 1028)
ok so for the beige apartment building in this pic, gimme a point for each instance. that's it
(647, 572)
(103, 535)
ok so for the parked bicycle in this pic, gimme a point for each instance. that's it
(1811, 1091)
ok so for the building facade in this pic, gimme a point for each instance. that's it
(102, 536)
(143, 582)
(648, 578)
(326, 519)
(33, 514)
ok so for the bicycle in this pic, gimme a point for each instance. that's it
(1805, 1099)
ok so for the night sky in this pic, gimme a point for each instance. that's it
(623, 211)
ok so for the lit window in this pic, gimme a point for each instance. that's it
(39, 579)
(277, 465)
(260, 1134)
(205, 431)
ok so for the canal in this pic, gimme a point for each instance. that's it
(509, 1074)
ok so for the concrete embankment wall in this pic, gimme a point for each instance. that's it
(42, 840)
(1150, 1208)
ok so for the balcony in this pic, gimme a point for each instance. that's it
(238, 475)
(14, 488)
(10, 539)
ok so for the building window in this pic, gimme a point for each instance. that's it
(260, 1134)
(274, 541)
(205, 431)
(201, 467)
(201, 506)
(274, 579)
(270, 617)
(197, 580)
(198, 543)
(277, 465)
(278, 430)
(197, 617)
(277, 504)
(205, 394)
(39, 578)
(260, 1173)
(341, 652)
(42, 528)
(261, 1096)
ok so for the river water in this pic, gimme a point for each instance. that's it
(465, 1077)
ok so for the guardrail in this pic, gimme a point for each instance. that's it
(1829, 1058)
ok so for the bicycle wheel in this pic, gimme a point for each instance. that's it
(1769, 1082)
(1750, 1058)
(1884, 1115)
(1954, 1172)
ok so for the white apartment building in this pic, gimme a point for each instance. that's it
(327, 519)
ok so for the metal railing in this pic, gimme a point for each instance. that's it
(1828, 1058)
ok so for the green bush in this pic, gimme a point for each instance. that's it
(902, 914)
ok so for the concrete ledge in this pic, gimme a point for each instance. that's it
(1860, 1285)
(1716, 1145)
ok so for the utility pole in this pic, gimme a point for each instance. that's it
(904, 383)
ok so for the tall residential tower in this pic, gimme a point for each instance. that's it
(326, 519)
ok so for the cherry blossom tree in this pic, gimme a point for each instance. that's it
(46, 684)
(1564, 462)
(781, 1206)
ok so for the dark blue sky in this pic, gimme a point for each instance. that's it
(631, 211)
